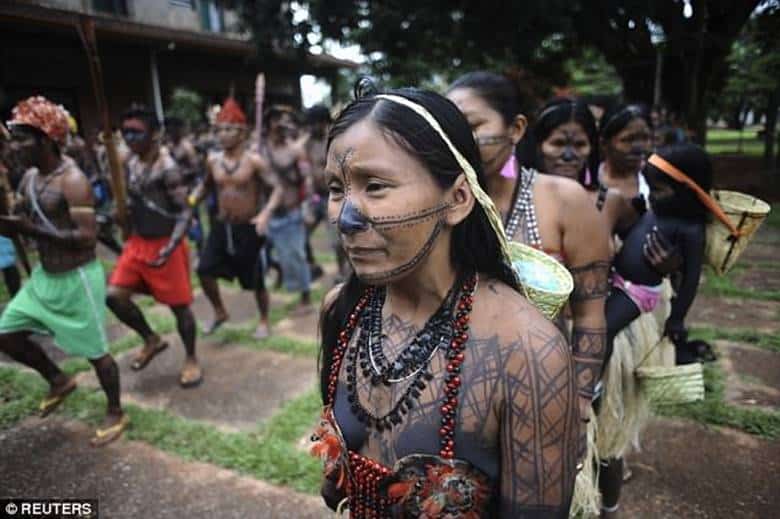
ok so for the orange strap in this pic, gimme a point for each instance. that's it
(704, 197)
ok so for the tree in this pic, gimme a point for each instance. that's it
(409, 41)
(694, 48)
(187, 105)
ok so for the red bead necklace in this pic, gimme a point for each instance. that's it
(367, 475)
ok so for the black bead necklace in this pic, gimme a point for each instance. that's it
(414, 356)
(412, 363)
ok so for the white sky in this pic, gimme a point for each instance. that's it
(314, 90)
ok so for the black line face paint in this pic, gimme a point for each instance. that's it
(385, 246)
(384, 277)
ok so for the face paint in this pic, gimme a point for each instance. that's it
(351, 220)
(491, 132)
(388, 209)
(566, 150)
(384, 277)
(629, 147)
(136, 135)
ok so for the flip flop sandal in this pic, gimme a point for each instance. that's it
(214, 326)
(143, 359)
(109, 434)
(50, 404)
(187, 384)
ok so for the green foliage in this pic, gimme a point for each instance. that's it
(187, 105)
(723, 286)
(591, 74)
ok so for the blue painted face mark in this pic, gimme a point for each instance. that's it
(351, 220)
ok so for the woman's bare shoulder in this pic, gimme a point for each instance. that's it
(507, 313)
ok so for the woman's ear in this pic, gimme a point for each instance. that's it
(461, 201)
(517, 128)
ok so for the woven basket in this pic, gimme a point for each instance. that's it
(746, 212)
(547, 283)
(672, 385)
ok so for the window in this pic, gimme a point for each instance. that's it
(211, 16)
(110, 6)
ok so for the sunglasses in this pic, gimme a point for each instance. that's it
(133, 135)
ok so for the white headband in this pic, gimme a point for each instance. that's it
(471, 176)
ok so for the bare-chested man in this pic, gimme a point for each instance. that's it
(285, 149)
(155, 258)
(247, 193)
(65, 295)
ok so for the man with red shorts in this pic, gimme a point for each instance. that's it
(155, 259)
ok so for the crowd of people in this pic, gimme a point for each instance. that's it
(446, 392)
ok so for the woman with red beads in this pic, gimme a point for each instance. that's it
(436, 403)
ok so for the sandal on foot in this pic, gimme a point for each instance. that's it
(215, 325)
(109, 434)
(50, 403)
(187, 380)
(146, 356)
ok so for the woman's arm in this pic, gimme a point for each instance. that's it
(539, 424)
(586, 245)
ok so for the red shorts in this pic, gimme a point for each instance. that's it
(169, 284)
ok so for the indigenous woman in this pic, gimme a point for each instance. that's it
(678, 179)
(544, 211)
(564, 141)
(436, 404)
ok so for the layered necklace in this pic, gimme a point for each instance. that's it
(446, 329)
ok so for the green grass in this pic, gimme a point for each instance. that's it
(727, 141)
(269, 453)
(243, 335)
(767, 341)
(723, 286)
(713, 410)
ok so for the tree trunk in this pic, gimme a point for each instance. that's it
(770, 135)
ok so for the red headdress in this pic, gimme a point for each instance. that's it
(41, 113)
(231, 113)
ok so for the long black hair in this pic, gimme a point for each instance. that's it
(475, 246)
(557, 112)
(497, 91)
(618, 116)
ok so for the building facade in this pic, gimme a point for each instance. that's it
(147, 49)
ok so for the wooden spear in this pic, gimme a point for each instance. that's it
(86, 29)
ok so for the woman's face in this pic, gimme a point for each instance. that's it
(494, 137)
(389, 210)
(626, 150)
(565, 151)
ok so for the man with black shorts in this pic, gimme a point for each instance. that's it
(247, 193)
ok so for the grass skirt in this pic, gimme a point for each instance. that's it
(624, 411)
